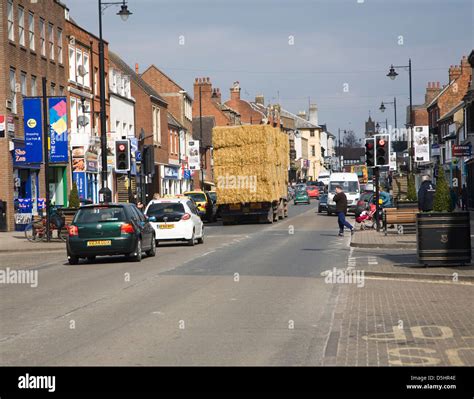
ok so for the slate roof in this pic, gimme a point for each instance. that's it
(208, 122)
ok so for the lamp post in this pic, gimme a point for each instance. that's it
(392, 74)
(394, 103)
(105, 194)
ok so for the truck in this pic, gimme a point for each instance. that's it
(251, 173)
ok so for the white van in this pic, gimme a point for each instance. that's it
(324, 177)
(350, 184)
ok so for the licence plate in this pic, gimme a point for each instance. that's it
(166, 226)
(256, 206)
(100, 243)
(234, 207)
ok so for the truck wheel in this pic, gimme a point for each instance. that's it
(270, 218)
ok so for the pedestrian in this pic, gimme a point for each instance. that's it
(156, 196)
(454, 199)
(426, 194)
(341, 209)
(464, 197)
(140, 205)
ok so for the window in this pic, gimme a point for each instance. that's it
(313, 150)
(52, 90)
(43, 37)
(124, 129)
(13, 89)
(73, 108)
(87, 79)
(117, 126)
(60, 46)
(61, 90)
(156, 125)
(11, 33)
(96, 74)
(33, 86)
(23, 84)
(21, 25)
(72, 64)
(51, 41)
(311, 133)
(31, 29)
(79, 78)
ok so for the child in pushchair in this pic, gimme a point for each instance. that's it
(366, 218)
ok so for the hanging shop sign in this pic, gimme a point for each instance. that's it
(461, 150)
(33, 127)
(58, 136)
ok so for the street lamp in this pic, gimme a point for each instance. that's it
(392, 74)
(394, 103)
(105, 194)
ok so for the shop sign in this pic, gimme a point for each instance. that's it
(33, 127)
(80, 179)
(461, 150)
(58, 136)
(11, 125)
(171, 172)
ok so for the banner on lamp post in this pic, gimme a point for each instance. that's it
(194, 157)
(58, 137)
(421, 142)
(33, 127)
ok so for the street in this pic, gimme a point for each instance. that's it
(252, 294)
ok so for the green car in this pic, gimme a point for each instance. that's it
(301, 196)
(110, 229)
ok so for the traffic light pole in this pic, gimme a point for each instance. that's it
(377, 196)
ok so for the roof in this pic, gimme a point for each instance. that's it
(300, 123)
(208, 122)
(153, 66)
(136, 78)
(225, 107)
(173, 121)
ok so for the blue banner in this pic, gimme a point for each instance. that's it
(80, 179)
(33, 126)
(58, 138)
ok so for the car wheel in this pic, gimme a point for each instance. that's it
(137, 255)
(200, 240)
(152, 250)
(91, 258)
(73, 260)
(192, 241)
(319, 210)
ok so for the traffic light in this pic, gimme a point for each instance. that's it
(382, 150)
(122, 155)
(369, 152)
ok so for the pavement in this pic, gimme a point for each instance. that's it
(250, 295)
(15, 241)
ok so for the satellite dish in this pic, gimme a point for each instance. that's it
(82, 120)
(82, 71)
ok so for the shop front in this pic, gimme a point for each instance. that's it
(170, 182)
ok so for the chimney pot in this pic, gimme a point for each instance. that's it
(136, 68)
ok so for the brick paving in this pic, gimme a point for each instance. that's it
(402, 323)
(374, 239)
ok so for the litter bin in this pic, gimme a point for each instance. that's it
(3, 215)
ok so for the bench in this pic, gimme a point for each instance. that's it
(404, 218)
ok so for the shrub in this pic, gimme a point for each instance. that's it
(442, 197)
(74, 201)
(411, 189)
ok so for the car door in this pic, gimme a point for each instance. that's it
(142, 224)
(195, 217)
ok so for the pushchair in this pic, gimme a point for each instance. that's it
(367, 218)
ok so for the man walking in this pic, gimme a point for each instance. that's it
(426, 195)
(341, 209)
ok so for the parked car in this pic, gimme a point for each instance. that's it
(206, 207)
(109, 229)
(323, 203)
(175, 219)
(301, 196)
(313, 191)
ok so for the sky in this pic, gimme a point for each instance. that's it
(335, 53)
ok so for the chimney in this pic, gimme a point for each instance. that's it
(260, 99)
(432, 91)
(136, 68)
(216, 95)
(206, 89)
(302, 114)
(313, 114)
(454, 72)
(235, 91)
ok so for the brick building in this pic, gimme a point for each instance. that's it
(32, 46)
(248, 114)
(83, 92)
(180, 119)
(151, 120)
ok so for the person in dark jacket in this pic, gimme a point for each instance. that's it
(464, 197)
(341, 209)
(454, 199)
(426, 195)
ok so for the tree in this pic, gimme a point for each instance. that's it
(350, 139)
(442, 197)
(411, 189)
(74, 200)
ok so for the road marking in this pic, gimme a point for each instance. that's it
(207, 253)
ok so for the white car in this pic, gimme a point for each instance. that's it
(175, 219)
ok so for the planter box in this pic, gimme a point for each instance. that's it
(443, 238)
(406, 204)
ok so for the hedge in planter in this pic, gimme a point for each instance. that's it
(443, 237)
(412, 198)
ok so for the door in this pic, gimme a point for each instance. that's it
(199, 225)
(145, 227)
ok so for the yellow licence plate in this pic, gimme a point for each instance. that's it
(100, 243)
(166, 226)
(234, 207)
(256, 206)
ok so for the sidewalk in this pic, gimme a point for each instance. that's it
(374, 239)
(15, 241)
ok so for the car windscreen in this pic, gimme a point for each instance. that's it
(365, 197)
(197, 197)
(351, 187)
(165, 209)
(100, 215)
(311, 187)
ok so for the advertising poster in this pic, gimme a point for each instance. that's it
(58, 140)
(421, 141)
(194, 160)
(33, 125)
(80, 179)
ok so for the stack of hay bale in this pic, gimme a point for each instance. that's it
(250, 163)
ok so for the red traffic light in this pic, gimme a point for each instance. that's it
(382, 142)
(121, 147)
(369, 145)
